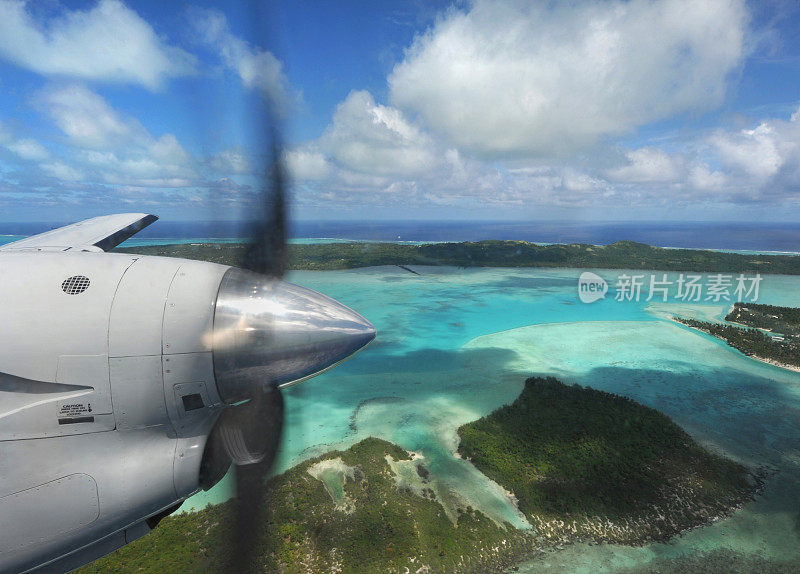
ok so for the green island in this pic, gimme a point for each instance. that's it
(782, 320)
(765, 332)
(367, 509)
(582, 464)
(619, 255)
(590, 465)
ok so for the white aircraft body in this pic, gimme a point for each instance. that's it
(115, 370)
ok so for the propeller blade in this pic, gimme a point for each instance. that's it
(267, 251)
(251, 431)
(262, 414)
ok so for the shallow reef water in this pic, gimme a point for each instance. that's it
(454, 344)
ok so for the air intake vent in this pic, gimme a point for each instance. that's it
(75, 285)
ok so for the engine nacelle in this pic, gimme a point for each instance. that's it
(114, 369)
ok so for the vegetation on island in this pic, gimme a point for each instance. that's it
(619, 255)
(583, 465)
(588, 464)
(783, 320)
(769, 333)
(386, 526)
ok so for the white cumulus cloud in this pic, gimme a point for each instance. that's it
(518, 78)
(85, 117)
(62, 171)
(109, 42)
(760, 152)
(647, 165)
(28, 148)
(368, 137)
(257, 68)
(307, 165)
(109, 147)
(762, 162)
(703, 178)
(232, 161)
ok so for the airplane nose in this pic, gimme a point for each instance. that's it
(268, 331)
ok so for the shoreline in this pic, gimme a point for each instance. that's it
(766, 361)
(683, 504)
(775, 363)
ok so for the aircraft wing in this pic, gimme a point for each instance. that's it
(96, 234)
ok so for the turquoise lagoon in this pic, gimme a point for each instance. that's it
(454, 344)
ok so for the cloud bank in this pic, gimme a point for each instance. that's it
(534, 78)
(108, 43)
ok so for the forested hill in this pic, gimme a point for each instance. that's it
(619, 255)
(584, 465)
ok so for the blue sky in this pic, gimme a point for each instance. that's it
(598, 110)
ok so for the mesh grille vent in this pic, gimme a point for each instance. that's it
(75, 285)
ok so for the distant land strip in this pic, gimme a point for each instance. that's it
(768, 333)
(619, 255)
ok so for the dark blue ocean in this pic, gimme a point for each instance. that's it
(710, 235)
